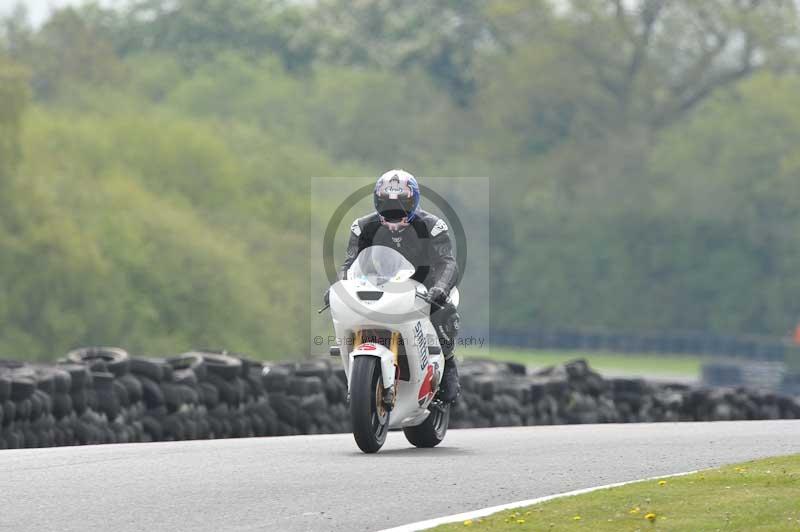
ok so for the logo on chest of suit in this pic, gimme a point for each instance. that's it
(397, 237)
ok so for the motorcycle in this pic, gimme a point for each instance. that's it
(390, 351)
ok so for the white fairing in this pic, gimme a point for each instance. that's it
(376, 350)
(396, 310)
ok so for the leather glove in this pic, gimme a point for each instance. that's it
(438, 295)
(327, 297)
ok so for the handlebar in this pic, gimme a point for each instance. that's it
(428, 300)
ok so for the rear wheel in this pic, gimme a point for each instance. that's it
(369, 416)
(430, 432)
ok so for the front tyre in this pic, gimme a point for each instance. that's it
(430, 432)
(369, 416)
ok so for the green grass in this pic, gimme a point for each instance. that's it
(763, 495)
(652, 364)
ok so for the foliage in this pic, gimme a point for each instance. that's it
(155, 189)
(13, 99)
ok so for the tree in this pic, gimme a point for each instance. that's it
(659, 59)
(13, 98)
(196, 30)
(442, 37)
(69, 49)
(16, 31)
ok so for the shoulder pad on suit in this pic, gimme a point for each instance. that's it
(355, 228)
(439, 227)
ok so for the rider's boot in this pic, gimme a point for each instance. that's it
(450, 388)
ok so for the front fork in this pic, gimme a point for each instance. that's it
(388, 396)
(390, 393)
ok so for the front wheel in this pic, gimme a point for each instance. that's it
(367, 412)
(430, 432)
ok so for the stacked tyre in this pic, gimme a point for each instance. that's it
(103, 395)
(308, 397)
(499, 394)
(106, 398)
(227, 418)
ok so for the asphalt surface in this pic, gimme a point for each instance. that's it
(325, 483)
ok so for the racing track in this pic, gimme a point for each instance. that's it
(325, 483)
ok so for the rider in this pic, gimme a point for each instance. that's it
(423, 239)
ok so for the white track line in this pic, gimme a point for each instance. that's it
(430, 523)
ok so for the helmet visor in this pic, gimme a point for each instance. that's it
(394, 209)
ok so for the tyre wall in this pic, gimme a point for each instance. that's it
(102, 395)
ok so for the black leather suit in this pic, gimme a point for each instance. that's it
(426, 243)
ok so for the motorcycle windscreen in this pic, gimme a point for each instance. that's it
(380, 265)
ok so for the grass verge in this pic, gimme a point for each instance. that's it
(762, 495)
(644, 364)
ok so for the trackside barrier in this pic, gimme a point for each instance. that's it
(103, 395)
